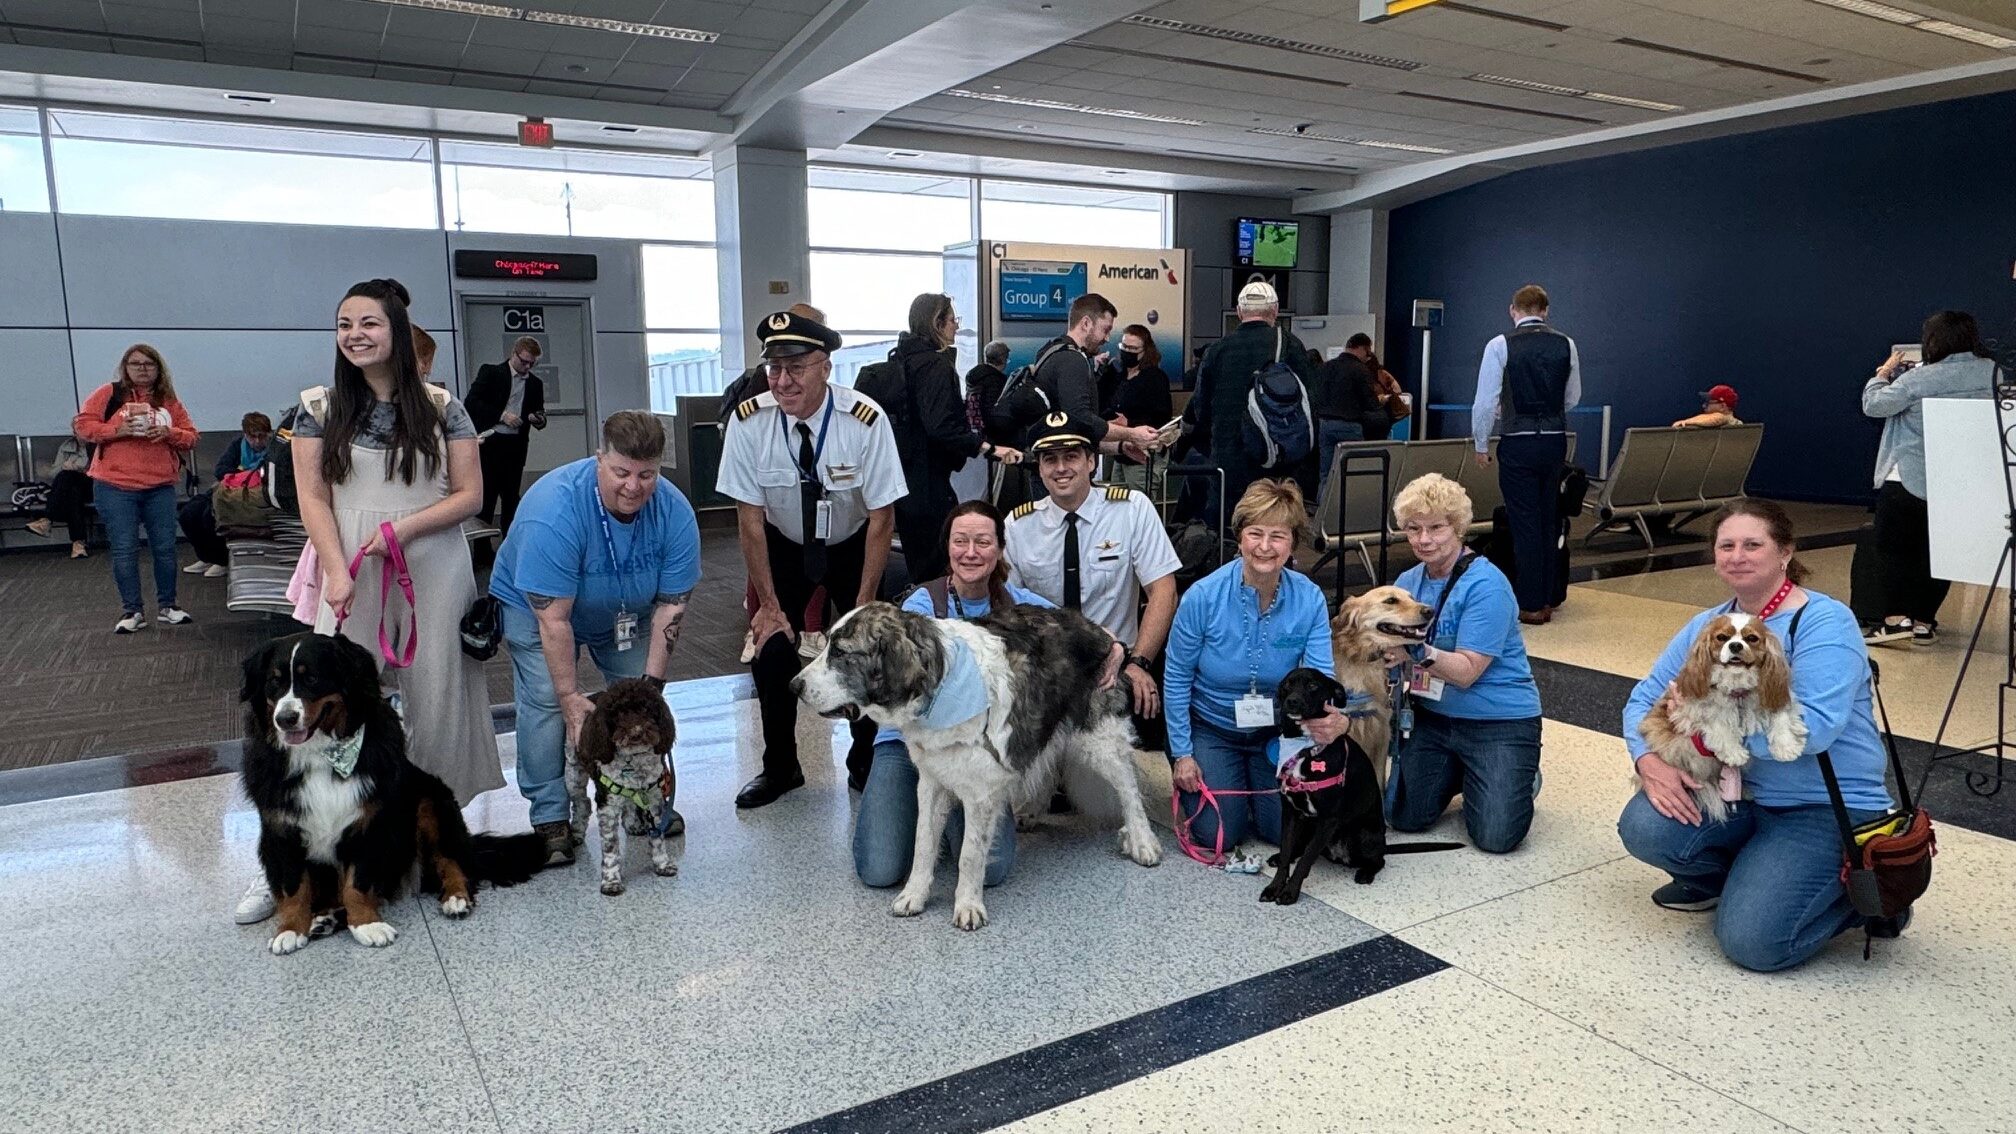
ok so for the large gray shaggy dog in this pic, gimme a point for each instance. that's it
(1045, 715)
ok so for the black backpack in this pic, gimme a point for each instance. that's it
(1280, 424)
(1022, 399)
(279, 467)
(886, 383)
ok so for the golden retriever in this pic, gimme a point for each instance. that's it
(1364, 628)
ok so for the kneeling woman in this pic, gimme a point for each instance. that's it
(1772, 869)
(1476, 707)
(1237, 633)
(885, 826)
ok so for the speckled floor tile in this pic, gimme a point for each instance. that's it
(1586, 782)
(1447, 1052)
(1918, 1038)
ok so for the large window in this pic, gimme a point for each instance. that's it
(24, 187)
(1069, 214)
(142, 166)
(877, 241)
(682, 314)
(491, 188)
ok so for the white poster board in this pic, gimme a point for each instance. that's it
(1968, 509)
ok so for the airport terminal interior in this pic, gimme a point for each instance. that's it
(1737, 209)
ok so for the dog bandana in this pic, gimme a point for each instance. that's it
(961, 696)
(343, 754)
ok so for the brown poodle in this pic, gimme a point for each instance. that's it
(626, 751)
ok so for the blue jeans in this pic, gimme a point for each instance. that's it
(1235, 760)
(542, 731)
(1330, 433)
(885, 825)
(1495, 765)
(125, 511)
(1778, 870)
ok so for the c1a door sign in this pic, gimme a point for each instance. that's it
(520, 320)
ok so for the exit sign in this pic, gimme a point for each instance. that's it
(536, 132)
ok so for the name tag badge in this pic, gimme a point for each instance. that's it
(626, 630)
(1424, 685)
(842, 476)
(1253, 711)
(822, 521)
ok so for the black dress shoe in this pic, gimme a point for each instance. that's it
(765, 788)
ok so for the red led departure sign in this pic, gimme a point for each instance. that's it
(476, 265)
(536, 132)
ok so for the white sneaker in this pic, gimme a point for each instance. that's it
(130, 624)
(173, 616)
(215, 570)
(257, 904)
(195, 568)
(811, 644)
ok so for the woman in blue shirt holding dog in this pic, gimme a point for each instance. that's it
(1237, 633)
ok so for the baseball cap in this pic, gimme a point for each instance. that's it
(1258, 294)
(1724, 394)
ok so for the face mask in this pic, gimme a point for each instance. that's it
(1129, 359)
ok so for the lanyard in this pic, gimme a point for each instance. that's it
(609, 537)
(1256, 637)
(811, 475)
(1777, 600)
(1448, 589)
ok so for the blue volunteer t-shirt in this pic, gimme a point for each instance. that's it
(558, 546)
(1221, 647)
(1481, 615)
(919, 602)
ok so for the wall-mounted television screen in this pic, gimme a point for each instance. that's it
(1266, 243)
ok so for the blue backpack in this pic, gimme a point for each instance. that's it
(1280, 428)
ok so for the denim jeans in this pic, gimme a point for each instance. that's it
(1232, 760)
(1778, 870)
(885, 825)
(1330, 433)
(1494, 765)
(125, 511)
(542, 731)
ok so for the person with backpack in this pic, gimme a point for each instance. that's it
(140, 431)
(1231, 394)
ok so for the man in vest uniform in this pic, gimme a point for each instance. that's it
(812, 469)
(1528, 382)
(1095, 550)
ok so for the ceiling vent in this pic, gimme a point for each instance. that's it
(1072, 107)
(560, 19)
(1573, 92)
(1255, 39)
(1370, 143)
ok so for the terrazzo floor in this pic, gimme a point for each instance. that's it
(764, 989)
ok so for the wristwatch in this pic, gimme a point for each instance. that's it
(1138, 660)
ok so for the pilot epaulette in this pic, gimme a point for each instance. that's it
(1022, 510)
(865, 413)
(1119, 492)
(747, 409)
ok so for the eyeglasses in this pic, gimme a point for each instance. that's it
(1414, 528)
(797, 372)
(143, 364)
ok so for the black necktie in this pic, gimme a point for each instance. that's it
(808, 506)
(1070, 561)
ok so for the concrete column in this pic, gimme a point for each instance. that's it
(761, 229)
(1358, 263)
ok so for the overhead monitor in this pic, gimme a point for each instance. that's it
(1266, 243)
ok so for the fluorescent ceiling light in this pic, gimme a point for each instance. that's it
(1870, 8)
(1255, 39)
(1072, 107)
(1971, 35)
(1371, 143)
(1575, 92)
(560, 19)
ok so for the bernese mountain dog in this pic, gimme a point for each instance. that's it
(343, 814)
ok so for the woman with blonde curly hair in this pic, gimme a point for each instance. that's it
(1476, 707)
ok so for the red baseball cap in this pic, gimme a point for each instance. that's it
(1724, 394)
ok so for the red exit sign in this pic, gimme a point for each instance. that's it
(536, 132)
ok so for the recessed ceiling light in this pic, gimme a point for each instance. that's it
(1869, 8)
(1641, 103)
(1527, 85)
(1255, 39)
(1971, 35)
(248, 98)
(1575, 92)
(562, 19)
(1073, 107)
(1923, 23)
(1371, 143)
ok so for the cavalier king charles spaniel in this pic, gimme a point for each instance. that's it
(1736, 682)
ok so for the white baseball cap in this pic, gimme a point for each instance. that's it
(1258, 294)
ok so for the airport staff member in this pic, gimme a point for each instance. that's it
(813, 471)
(1095, 550)
(1528, 382)
(606, 555)
(506, 402)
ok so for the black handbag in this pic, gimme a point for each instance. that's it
(1886, 862)
(483, 628)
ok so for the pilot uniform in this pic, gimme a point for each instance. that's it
(816, 479)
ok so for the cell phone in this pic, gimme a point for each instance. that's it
(1913, 353)
(1170, 428)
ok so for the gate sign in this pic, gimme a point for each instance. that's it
(1040, 290)
(524, 320)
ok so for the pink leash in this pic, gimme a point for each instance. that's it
(393, 567)
(1208, 798)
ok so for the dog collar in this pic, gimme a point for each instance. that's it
(1701, 748)
(343, 754)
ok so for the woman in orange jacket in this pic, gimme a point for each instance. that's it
(140, 431)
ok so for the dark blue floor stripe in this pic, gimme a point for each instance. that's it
(1041, 1078)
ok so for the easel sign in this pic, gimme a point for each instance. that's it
(1968, 510)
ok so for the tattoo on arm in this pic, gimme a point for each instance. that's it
(679, 599)
(540, 602)
(673, 626)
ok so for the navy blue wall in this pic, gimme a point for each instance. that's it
(1782, 262)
